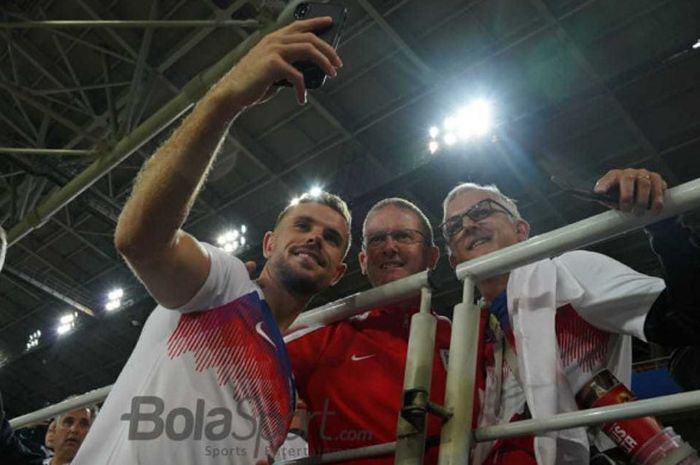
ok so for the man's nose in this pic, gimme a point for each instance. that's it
(390, 245)
(468, 226)
(314, 236)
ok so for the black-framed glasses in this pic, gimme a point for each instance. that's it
(477, 212)
(402, 236)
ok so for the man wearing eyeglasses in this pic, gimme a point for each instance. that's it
(350, 374)
(553, 329)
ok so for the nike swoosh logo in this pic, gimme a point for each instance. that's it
(355, 358)
(259, 330)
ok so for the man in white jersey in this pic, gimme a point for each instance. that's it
(209, 379)
(549, 328)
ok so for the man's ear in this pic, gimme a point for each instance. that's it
(522, 229)
(452, 259)
(433, 256)
(339, 272)
(362, 258)
(268, 244)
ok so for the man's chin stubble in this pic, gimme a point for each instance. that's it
(294, 282)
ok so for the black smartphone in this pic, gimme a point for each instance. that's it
(314, 77)
(584, 191)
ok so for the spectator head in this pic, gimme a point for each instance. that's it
(71, 429)
(50, 432)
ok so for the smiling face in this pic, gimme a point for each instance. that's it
(390, 259)
(71, 429)
(306, 249)
(477, 238)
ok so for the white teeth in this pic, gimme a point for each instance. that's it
(391, 265)
(478, 243)
(305, 254)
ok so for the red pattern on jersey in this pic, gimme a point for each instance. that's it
(226, 340)
(579, 341)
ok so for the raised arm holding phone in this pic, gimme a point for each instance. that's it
(209, 379)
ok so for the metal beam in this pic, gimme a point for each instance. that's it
(74, 76)
(248, 148)
(46, 110)
(42, 151)
(15, 76)
(52, 292)
(137, 76)
(426, 73)
(131, 24)
(192, 91)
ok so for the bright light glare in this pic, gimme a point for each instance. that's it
(67, 322)
(243, 229)
(67, 319)
(696, 45)
(315, 191)
(433, 146)
(63, 329)
(33, 340)
(114, 299)
(295, 201)
(232, 240)
(474, 119)
(115, 294)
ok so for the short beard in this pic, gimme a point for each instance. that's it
(295, 282)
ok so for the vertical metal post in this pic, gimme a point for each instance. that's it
(456, 437)
(411, 428)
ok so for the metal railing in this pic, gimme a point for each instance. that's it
(457, 434)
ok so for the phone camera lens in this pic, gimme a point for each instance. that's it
(301, 10)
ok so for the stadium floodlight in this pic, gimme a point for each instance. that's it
(433, 146)
(33, 340)
(114, 299)
(67, 323)
(315, 191)
(470, 122)
(232, 240)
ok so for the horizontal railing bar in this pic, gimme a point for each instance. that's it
(580, 234)
(352, 305)
(595, 416)
(343, 455)
(84, 400)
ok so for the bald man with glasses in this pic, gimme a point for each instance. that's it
(555, 334)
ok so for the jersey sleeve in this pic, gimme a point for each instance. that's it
(228, 279)
(615, 297)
